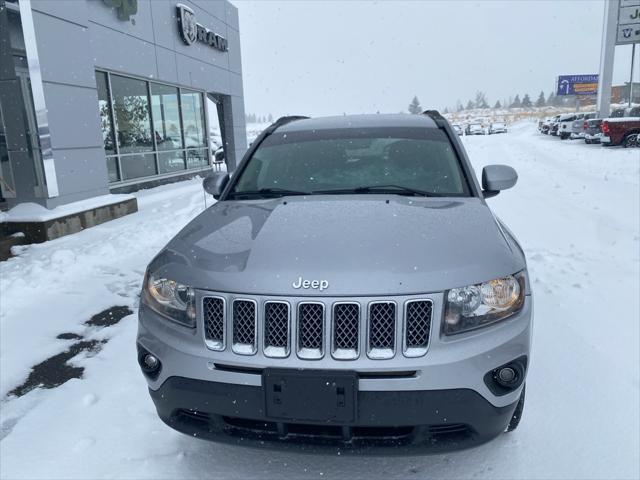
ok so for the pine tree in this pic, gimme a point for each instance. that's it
(446, 110)
(270, 120)
(551, 99)
(541, 101)
(414, 106)
(526, 101)
(459, 106)
(481, 100)
(470, 105)
(516, 102)
(498, 105)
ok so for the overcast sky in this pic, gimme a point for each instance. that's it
(330, 57)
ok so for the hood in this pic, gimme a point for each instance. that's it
(357, 244)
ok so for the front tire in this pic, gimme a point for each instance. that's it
(517, 413)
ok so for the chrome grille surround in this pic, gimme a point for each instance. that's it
(311, 320)
(382, 317)
(245, 326)
(325, 329)
(345, 330)
(214, 310)
(277, 328)
(416, 332)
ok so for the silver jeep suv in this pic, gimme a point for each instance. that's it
(350, 286)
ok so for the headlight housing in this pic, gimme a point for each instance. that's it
(475, 306)
(171, 299)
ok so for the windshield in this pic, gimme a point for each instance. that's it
(346, 160)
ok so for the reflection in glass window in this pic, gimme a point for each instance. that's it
(105, 115)
(112, 169)
(131, 107)
(193, 119)
(166, 127)
(135, 166)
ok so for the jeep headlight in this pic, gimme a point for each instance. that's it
(475, 306)
(171, 299)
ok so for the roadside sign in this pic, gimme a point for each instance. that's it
(628, 34)
(577, 85)
(628, 29)
(629, 15)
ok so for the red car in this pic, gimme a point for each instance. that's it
(621, 131)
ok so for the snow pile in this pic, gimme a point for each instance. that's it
(576, 211)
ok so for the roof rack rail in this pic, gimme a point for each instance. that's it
(284, 120)
(435, 116)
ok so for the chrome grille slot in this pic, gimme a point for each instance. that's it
(382, 330)
(346, 324)
(214, 313)
(244, 327)
(417, 324)
(310, 330)
(276, 329)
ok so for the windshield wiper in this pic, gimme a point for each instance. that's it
(267, 192)
(396, 189)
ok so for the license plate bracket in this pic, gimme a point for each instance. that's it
(310, 395)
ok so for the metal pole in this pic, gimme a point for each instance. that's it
(606, 57)
(633, 56)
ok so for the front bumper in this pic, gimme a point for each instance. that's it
(402, 422)
(221, 395)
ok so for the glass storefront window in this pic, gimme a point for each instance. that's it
(193, 119)
(112, 169)
(167, 127)
(150, 128)
(136, 166)
(131, 108)
(106, 124)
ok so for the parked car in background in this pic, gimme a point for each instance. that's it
(497, 127)
(592, 132)
(565, 125)
(546, 125)
(621, 130)
(578, 128)
(475, 129)
(553, 126)
(457, 128)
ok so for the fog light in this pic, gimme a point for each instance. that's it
(150, 362)
(506, 376)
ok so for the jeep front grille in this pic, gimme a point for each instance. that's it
(244, 327)
(346, 325)
(382, 329)
(311, 327)
(276, 329)
(310, 330)
(417, 324)
(213, 312)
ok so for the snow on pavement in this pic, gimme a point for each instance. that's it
(576, 211)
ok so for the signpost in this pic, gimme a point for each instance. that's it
(621, 27)
(577, 85)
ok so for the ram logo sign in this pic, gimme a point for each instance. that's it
(191, 31)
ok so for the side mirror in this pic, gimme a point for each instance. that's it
(496, 178)
(219, 155)
(215, 182)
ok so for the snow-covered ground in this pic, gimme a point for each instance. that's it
(575, 209)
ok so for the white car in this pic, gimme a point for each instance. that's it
(565, 125)
(458, 128)
(497, 127)
(475, 129)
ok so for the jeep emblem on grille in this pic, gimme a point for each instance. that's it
(315, 284)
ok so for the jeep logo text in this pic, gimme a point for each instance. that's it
(315, 284)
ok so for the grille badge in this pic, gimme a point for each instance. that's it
(313, 284)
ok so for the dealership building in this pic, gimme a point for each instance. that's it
(102, 97)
